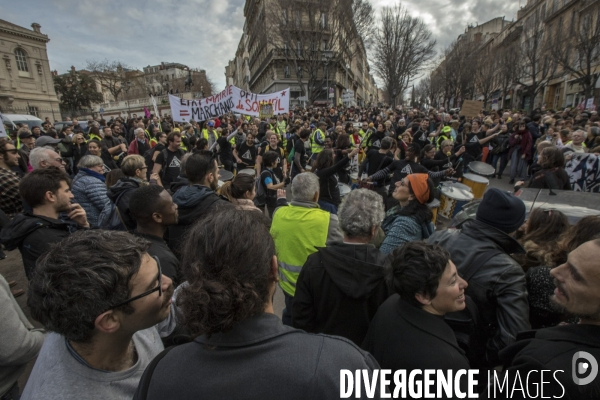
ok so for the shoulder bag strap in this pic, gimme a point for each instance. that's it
(479, 262)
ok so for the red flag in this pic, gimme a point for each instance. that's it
(147, 113)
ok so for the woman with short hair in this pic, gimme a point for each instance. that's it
(409, 332)
(411, 218)
(89, 188)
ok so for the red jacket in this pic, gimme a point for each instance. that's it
(133, 147)
(525, 141)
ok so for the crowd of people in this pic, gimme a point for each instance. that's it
(132, 244)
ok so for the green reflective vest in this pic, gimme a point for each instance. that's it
(315, 147)
(297, 232)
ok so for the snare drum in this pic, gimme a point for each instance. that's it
(344, 189)
(477, 183)
(225, 175)
(434, 205)
(452, 201)
(481, 168)
(248, 171)
(456, 185)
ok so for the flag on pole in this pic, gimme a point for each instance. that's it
(147, 112)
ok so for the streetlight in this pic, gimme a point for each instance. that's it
(327, 55)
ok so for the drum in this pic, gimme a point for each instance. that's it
(225, 175)
(477, 183)
(452, 201)
(308, 168)
(354, 176)
(434, 205)
(456, 185)
(481, 168)
(248, 171)
(344, 189)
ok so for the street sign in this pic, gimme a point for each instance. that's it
(331, 95)
(102, 111)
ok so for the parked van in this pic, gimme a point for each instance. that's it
(29, 120)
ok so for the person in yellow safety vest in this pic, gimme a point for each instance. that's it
(317, 140)
(210, 134)
(445, 134)
(363, 130)
(298, 230)
(274, 127)
(95, 133)
(240, 135)
(188, 132)
(153, 137)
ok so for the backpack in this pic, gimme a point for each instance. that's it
(148, 158)
(261, 191)
(110, 217)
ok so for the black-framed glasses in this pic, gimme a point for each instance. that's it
(149, 292)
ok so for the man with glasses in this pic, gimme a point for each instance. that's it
(10, 200)
(99, 345)
(45, 157)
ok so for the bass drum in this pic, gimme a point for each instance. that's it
(248, 171)
(477, 183)
(481, 168)
(225, 175)
(452, 201)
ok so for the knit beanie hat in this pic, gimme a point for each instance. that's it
(502, 210)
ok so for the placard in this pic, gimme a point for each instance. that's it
(471, 108)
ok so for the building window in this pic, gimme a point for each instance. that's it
(31, 110)
(323, 20)
(284, 17)
(21, 60)
(299, 49)
(299, 72)
(286, 71)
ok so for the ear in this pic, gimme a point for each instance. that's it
(157, 217)
(421, 298)
(108, 322)
(50, 197)
(275, 269)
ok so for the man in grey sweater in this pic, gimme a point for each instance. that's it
(107, 304)
(19, 342)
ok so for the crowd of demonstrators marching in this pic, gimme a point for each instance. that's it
(131, 243)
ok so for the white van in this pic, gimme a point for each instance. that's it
(30, 120)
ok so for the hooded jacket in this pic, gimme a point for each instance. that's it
(339, 290)
(32, 235)
(193, 202)
(498, 287)
(179, 182)
(124, 188)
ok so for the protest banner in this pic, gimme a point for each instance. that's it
(155, 106)
(232, 99)
(471, 108)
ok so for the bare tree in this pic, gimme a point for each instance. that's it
(315, 40)
(577, 51)
(422, 92)
(458, 70)
(508, 65)
(537, 64)
(485, 78)
(403, 48)
(112, 75)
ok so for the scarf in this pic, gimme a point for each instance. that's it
(93, 173)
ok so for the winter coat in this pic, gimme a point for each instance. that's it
(90, 192)
(400, 229)
(124, 188)
(497, 288)
(525, 141)
(33, 235)
(339, 290)
(193, 202)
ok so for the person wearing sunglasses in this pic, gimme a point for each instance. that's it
(106, 305)
(10, 200)
(43, 157)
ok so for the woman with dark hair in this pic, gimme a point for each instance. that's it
(241, 191)
(520, 153)
(326, 170)
(540, 284)
(96, 149)
(428, 160)
(231, 266)
(95, 134)
(552, 175)
(541, 231)
(343, 147)
(408, 332)
(269, 179)
(410, 219)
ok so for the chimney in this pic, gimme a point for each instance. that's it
(36, 27)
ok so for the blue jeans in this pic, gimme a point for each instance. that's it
(518, 166)
(503, 157)
(326, 206)
(286, 314)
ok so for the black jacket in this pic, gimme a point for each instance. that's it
(124, 188)
(260, 358)
(498, 288)
(339, 290)
(555, 349)
(32, 235)
(178, 183)
(402, 336)
(169, 264)
(193, 202)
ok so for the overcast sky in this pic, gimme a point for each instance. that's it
(199, 33)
